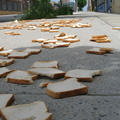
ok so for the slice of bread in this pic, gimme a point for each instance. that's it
(54, 27)
(96, 51)
(18, 55)
(49, 45)
(71, 36)
(61, 35)
(1, 48)
(44, 84)
(4, 72)
(15, 33)
(33, 111)
(45, 29)
(9, 32)
(103, 41)
(83, 75)
(40, 40)
(32, 51)
(71, 40)
(50, 41)
(61, 38)
(66, 88)
(95, 39)
(62, 44)
(49, 72)
(6, 100)
(6, 52)
(106, 49)
(116, 28)
(46, 64)
(6, 62)
(20, 77)
(99, 36)
(53, 31)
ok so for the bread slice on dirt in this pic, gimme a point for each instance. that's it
(44, 84)
(103, 41)
(19, 55)
(71, 40)
(49, 72)
(66, 88)
(6, 100)
(45, 29)
(39, 40)
(32, 51)
(4, 72)
(6, 52)
(15, 33)
(61, 38)
(62, 44)
(49, 45)
(6, 62)
(83, 75)
(21, 77)
(99, 36)
(1, 48)
(95, 39)
(32, 111)
(96, 51)
(45, 64)
(107, 49)
(50, 41)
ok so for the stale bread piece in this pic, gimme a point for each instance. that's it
(62, 44)
(66, 88)
(40, 40)
(15, 33)
(1, 48)
(32, 111)
(71, 40)
(50, 41)
(44, 84)
(6, 62)
(49, 72)
(116, 28)
(32, 51)
(53, 31)
(4, 72)
(45, 29)
(18, 54)
(49, 45)
(20, 77)
(99, 36)
(6, 100)
(82, 75)
(6, 52)
(46, 64)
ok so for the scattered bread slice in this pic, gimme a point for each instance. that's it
(44, 84)
(106, 49)
(61, 35)
(45, 29)
(116, 28)
(49, 45)
(4, 72)
(66, 88)
(54, 27)
(82, 75)
(6, 62)
(40, 40)
(62, 44)
(49, 41)
(6, 52)
(46, 64)
(49, 72)
(71, 36)
(15, 33)
(99, 36)
(32, 111)
(1, 48)
(32, 51)
(71, 40)
(6, 100)
(9, 32)
(61, 38)
(32, 28)
(20, 77)
(103, 41)
(18, 54)
(53, 31)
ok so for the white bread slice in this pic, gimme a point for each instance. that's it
(99, 36)
(61, 35)
(15, 33)
(46, 64)
(106, 49)
(66, 88)
(4, 72)
(49, 72)
(6, 100)
(50, 41)
(71, 40)
(20, 77)
(116, 28)
(6, 52)
(53, 31)
(103, 41)
(54, 27)
(44, 84)
(1, 48)
(6, 62)
(45, 29)
(61, 38)
(39, 40)
(62, 44)
(18, 54)
(32, 51)
(95, 39)
(82, 75)
(71, 36)
(32, 28)
(33, 111)
(95, 51)
(9, 32)
(49, 45)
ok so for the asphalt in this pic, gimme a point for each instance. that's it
(102, 102)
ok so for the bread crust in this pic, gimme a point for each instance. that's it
(5, 74)
(96, 52)
(4, 63)
(99, 36)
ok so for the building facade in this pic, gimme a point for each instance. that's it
(65, 1)
(115, 6)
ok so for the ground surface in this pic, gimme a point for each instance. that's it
(103, 99)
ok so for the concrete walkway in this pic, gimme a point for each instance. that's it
(103, 99)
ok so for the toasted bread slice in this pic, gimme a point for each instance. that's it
(6, 62)
(49, 72)
(18, 55)
(6, 100)
(33, 111)
(4, 72)
(40, 40)
(71, 40)
(50, 41)
(49, 45)
(62, 44)
(46, 64)
(83, 75)
(66, 88)
(20, 77)
(32, 51)
(6, 52)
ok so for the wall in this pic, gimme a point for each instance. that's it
(115, 6)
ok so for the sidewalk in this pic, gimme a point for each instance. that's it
(103, 99)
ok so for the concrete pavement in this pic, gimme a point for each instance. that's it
(103, 99)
